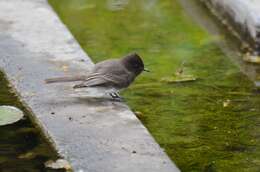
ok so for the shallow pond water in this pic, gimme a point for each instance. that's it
(210, 124)
(22, 149)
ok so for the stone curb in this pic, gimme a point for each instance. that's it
(242, 17)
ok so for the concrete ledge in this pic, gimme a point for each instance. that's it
(242, 18)
(94, 135)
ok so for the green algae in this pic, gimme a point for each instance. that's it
(22, 148)
(211, 124)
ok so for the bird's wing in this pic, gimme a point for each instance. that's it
(109, 73)
(97, 79)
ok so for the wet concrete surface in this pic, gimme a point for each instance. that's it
(92, 134)
(229, 44)
(242, 18)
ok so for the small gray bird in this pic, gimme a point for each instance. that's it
(113, 74)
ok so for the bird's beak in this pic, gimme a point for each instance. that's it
(146, 70)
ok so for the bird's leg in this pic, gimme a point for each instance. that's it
(115, 96)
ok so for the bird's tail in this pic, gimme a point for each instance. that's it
(65, 79)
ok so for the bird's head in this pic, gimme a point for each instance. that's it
(134, 63)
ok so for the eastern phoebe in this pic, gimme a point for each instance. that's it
(110, 74)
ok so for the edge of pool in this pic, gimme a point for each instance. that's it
(242, 18)
(92, 134)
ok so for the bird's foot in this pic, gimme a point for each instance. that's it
(116, 96)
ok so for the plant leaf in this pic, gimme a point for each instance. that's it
(58, 164)
(10, 115)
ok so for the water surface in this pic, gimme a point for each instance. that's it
(22, 148)
(211, 124)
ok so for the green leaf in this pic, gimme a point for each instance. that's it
(10, 115)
